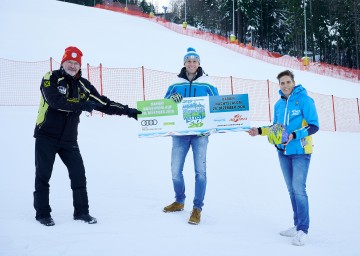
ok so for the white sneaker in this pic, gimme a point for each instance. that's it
(300, 238)
(290, 232)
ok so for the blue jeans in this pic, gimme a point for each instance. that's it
(295, 169)
(180, 148)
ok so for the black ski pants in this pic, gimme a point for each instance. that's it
(45, 153)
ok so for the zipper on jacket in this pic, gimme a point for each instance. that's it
(190, 89)
(286, 114)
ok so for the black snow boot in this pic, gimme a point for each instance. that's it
(47, 221)
(86, 218)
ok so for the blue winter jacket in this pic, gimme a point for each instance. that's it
(298, 114)
(198, 87)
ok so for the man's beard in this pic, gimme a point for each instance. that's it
(71, 72)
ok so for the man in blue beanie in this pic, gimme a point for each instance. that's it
(191, 82)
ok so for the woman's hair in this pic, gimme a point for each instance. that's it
(286, 73)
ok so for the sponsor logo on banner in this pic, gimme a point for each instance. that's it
(238, 118)
(149, 122)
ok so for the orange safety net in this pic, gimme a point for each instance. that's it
(129, 85)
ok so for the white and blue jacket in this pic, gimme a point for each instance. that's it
(198, 87)
(298, 114)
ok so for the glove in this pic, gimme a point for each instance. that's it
(207, 134)
(89, 106)
(277, 134)
(133, 112)
(176, 97)
(204, 135)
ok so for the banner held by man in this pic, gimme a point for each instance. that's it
(194, 116)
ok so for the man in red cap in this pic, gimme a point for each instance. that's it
(64, 95)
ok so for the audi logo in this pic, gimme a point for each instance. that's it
(149, 122)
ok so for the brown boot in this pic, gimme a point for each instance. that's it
(195, 216)
(174, 207)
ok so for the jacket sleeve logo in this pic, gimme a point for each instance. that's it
(46, 83)
(295, 112)
(62, 89)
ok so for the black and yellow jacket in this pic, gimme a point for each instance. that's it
(62, 100)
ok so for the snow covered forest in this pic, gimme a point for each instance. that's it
(332, 26)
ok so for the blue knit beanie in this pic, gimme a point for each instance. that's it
(191, 55)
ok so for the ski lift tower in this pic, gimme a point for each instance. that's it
(165, 8)
(185, 22)
(232, 36)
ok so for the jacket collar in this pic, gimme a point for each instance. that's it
(199, 73)
(298, 89)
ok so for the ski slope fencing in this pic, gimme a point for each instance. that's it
(129, 85)
(324, 69)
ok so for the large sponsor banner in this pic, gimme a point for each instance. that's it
(194, 116)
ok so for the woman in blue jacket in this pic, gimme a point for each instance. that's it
(191, 82)
(295, 111)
